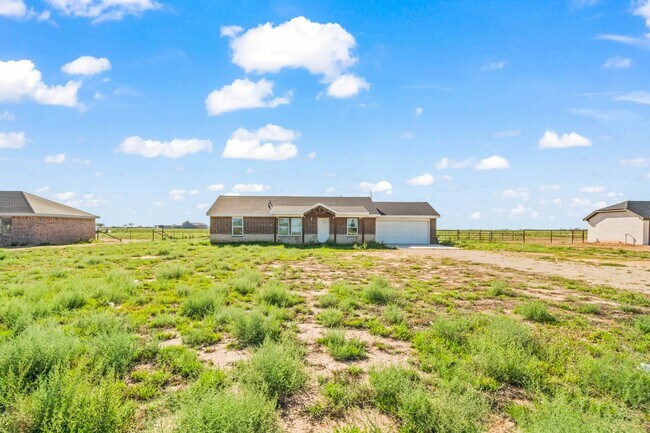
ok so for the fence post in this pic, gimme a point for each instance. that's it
(490, 236)
(524, 235)
(571, 236)
(551, 236)
(583, 236)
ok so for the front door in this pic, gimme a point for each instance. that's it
(323, 230)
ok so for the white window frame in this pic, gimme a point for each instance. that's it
(3, 224)
(233, 226)
(290, 232)
(347, 226)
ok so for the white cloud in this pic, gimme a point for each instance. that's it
(249, 188)
(159, 203)
(346, 86)
(244, 144)
(87, 65)
(638, 97)
(243, 94)
(59, 158)
(643, 11)
(647, 176)
(177, 194)
(493, 163)
(407, 135)
(494, 66)
(171, 149)
(12, 140)
(634, 162)
(86, 201)
(311, 155)
(617, 62)
(216, 187)
(419, 111)
(550, 188)
(330, 190)
(604, 115)
(43, 189)
(6, 115)
(592, 189)
(13, 8)
(203, 205)
(519, 210)
(20, 80)
(103, 10)
(321, 49)
(381, 186)
(507, 133)
(422, 180)
(518, 193)
(475, 216)
(65, 195)
(446, 163)
(551, 140)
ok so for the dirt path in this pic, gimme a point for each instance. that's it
(633, 276)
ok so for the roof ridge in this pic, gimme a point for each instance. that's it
(24, 194)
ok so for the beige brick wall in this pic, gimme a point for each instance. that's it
(46, 230)
(624, 227)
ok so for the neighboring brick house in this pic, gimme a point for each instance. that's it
(309, 220)
(627, 222)
(26, 219)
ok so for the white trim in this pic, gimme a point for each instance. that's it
(347, 226)
(232, 226)
(46, 215)
(407, 217)
(339, 215)
(290, 235)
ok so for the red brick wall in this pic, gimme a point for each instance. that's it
(369, 225)
(46, 230)
(310, 221)
(252, 225)
(432, 231)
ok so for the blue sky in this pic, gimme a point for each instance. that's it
(500, 114)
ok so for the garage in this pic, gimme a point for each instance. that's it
(390, 231)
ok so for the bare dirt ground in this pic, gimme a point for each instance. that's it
(632, 276)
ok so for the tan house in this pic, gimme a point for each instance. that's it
(627, 223)
(26, 219)
(310, 220)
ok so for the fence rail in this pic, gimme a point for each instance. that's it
(152, 233)
(522, 236)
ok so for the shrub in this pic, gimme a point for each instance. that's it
(200, 304)
(535, 311)
(642, 323)
(208, 382)
(499, 288)
(69, 301)
(341, 348)
(251, 329)
(393, 314)
(331, 318)
(180, 360)
(389, 385)
(201, 335)
(328, 300)
(147, 385)
(379, 292)
(590, 309)
(246, 282)
(115, 351)
(618, 378)
(17, 315)
(229, 412)
(275, 293)
(172, 272)
(73, 401)
(275, 369)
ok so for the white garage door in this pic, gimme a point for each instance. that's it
(403, 232)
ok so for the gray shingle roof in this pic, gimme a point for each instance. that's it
(18, 203)
(641, 208)
(259, 205)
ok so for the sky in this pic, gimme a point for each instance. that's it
(503, 114)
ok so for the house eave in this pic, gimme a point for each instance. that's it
(44, 215)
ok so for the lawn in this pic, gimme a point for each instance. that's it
(183, 336)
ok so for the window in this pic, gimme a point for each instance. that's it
(289, 226)
(353, 226)
(5, 226)
(238, 226)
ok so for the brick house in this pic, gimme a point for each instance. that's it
(26, 219)
(308, 220)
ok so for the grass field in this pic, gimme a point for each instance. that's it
(182, 336)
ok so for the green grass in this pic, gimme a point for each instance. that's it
(341, 348)
(330, 318)
(379, 292)
(276, 294)
(252, 328)
(535, 311)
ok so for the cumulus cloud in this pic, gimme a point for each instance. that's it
(493, 163)
(59, 158)
(249, 188)
(642, 10)
(617, 62)
(103, 10)
(65, 195)
(419, 111)
(171, 149)
(177, 194)
(6, 115)
(347, 85)
(269, 143)
(637, 97)
(381, 186)
(243, 94)
(550, 188)
(517, 193)
(551, 140)
(13, 8)
(592, 189)
(12, 140)
(446, 163)
(634, 162)
(86, 201)
(422, 180)
(20, 81)
(87, 65)
(321, 49)
(216, 187)
(494, 66)
(475, 216)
